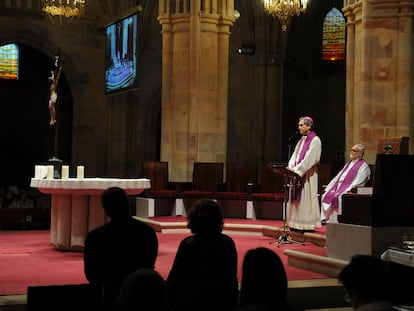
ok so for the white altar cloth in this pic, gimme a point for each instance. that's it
(76, 206)
(97, 185)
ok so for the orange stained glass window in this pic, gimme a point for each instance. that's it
(9, 61)
(333, 38)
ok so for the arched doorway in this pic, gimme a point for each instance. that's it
(25, 133)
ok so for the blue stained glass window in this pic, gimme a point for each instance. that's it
(333, 39)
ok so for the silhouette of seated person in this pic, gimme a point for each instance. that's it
(116, 249)
(204, 271)
(367, 283)
(143, 289)
(9, 199)
(24, 201)
(356, 172)
(264, 282)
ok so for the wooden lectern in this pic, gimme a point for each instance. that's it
(293, 181)
(292, 185)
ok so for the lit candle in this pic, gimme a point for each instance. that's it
(50, 171)
(80, 172)
(65, 171)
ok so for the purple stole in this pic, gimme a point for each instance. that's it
(305, 147)
(298, 159)
(332, 196)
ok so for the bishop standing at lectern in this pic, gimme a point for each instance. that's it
(303, 211)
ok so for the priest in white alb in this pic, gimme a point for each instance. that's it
(355, 173)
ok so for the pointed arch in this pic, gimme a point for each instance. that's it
(333, 38)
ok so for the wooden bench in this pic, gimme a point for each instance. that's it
(235, 192)
(267, 195)
(24, 218)
(160, 199)
(206, 176)
(249, 191)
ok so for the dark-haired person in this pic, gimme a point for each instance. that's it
(264, 282)
(356, 172)
(9, 199)
(204, 272)
(144, 289)
(303, 211)
(367, 283)
(118, 248)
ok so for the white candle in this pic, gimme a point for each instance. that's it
(80, 172)
(50, 171)
(65, 171)
(42, 171)
(37, 172)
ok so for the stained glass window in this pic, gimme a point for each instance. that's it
(9, 61)
(333, 40)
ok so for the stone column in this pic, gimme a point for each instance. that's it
(380, 99)
(195, 82)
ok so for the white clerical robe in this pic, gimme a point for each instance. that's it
(305, 214)
(330, 214)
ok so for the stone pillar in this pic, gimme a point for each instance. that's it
(380, 72)
(195, 82)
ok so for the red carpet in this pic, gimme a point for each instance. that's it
(28, 259)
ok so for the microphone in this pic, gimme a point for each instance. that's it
(293, 135)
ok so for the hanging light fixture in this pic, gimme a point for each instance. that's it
(285, 9)
(62, 12)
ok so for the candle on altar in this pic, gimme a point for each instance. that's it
(50, 171)
(65, 171)
(80, 172)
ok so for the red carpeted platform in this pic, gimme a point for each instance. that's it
(27, 258)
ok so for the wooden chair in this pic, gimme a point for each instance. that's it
(390, 204)
(236, 191)
(393, 145)
(325, 174)
(390, 179)
(159, 200)
(371, 179)
(206, 176)
(268, 195)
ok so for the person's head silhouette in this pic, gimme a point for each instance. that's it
(115, 203)
(366, 280)
(205, 217)
(264, 281)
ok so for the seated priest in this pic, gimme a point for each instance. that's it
(355, 173)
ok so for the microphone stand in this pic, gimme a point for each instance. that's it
(285, 237)
(290, 144)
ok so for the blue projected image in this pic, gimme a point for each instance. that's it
(121, 54)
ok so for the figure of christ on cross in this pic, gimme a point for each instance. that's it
(54, 80)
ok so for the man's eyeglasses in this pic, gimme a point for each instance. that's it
(354, 150)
